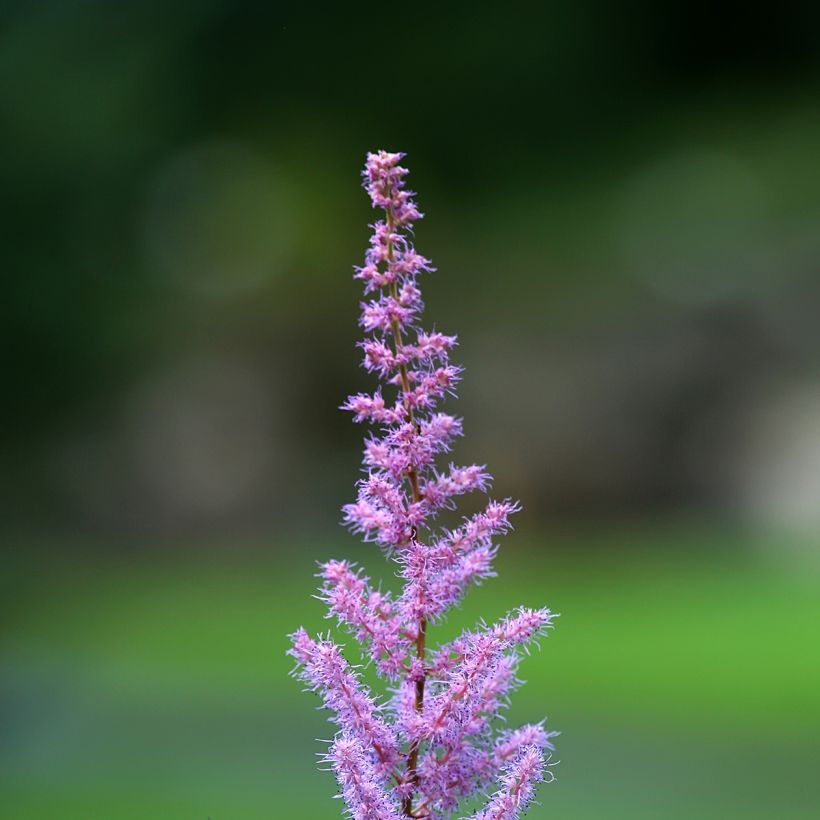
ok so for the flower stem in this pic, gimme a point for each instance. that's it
(412, 475)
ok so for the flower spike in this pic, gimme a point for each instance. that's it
(435, 741)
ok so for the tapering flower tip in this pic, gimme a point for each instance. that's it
(365, 517)
(432, 345)
(360, 781)
(498, 513)
(302, 646)
(518, 783)
(340, 572)
(442, 489)
(484, 526)
(524, 626)
(384, 181)
(382, 165)
(531, 734)
(366, 408)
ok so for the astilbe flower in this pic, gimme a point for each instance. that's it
(435, 741)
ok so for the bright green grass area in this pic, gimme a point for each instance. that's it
(685, 686)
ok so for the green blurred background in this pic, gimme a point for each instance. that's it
(623, 202)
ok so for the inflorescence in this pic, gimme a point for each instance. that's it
(434, 742)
